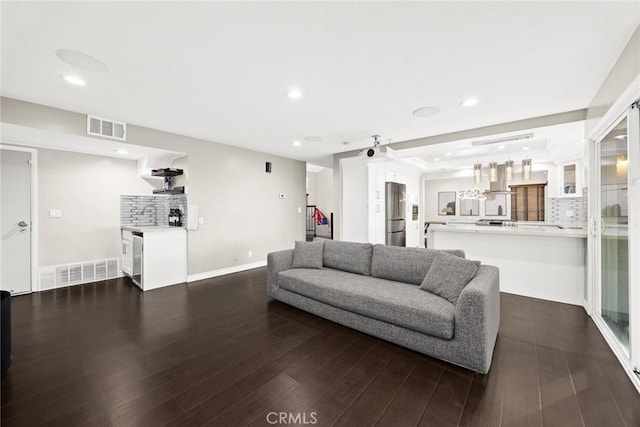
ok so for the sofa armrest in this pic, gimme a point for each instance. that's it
(277, 262)
(478, 312)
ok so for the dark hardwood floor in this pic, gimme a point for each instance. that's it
(219, 352)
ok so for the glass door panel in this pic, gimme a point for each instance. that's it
(614, 232)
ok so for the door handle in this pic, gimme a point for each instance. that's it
(23, 226)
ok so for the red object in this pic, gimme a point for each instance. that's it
(319, 216)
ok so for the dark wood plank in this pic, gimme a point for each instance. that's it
(339, 397)
(372, 402)
(412, 398)
(450, 396)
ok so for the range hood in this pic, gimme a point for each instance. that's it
(500, 185)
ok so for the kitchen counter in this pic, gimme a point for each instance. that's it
(535, 260)
(162, 262)
(150, 228)
(520, 230)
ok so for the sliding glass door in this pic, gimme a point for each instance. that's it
(617, 236)
(614, 232)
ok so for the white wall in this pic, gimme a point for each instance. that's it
(324, 191)
(355, 214)
(312, 188)
(238, 201)
(87, 190)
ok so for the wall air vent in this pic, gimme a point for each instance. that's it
(106, 128)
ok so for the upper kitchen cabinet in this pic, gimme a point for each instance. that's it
(570, 179)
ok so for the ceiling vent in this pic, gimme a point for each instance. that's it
(106, 128)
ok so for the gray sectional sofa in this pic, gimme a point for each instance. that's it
(376, 289)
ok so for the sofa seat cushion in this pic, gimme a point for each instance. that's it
(397, 303)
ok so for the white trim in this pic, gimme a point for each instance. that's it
(224, 271)
(35, 284)
(617, 350)
(620, 107)
(633, 171)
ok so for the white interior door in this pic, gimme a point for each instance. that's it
(15, 221)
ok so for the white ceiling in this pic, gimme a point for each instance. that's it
(219, 71)
(549, 144)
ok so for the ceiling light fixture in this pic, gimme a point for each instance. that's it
(427, 111)
(493, 171)
(508, 169)
(469, 102)
(437, 159)
(81, 60)
(296, 143)
(501, 147)
(525, 148)
(74, 80)
(526, 168)
(447, 154)
(477, 173)
(294, 94)
(471, 194)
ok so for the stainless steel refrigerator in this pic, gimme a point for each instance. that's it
(395, 214)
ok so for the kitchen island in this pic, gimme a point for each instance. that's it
(535, 260)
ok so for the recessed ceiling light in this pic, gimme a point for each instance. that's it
(122, 151)
(296, 143)
(294, 93)
(426, 111)
(447, 154)
(81, 60)
(525, 148)
(74, 80)
(312, 138)
(470, 102)
(501, 147)
(437, 159)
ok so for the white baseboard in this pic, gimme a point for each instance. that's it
(224, 271)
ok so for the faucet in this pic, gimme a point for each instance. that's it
(155, 213)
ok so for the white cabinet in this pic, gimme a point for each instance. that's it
(570, 179)
(158, 256)
(127, 252)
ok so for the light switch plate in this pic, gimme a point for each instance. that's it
(55, 213)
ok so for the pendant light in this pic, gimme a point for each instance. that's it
(477, 173)
(508, 169)
(526, 168)
(493, 171)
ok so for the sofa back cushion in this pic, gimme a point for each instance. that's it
(408, 265)
(308, 254)
(348, 256)
(448, 276)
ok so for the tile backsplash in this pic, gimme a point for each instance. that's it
(151, 210)
(567, 211)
